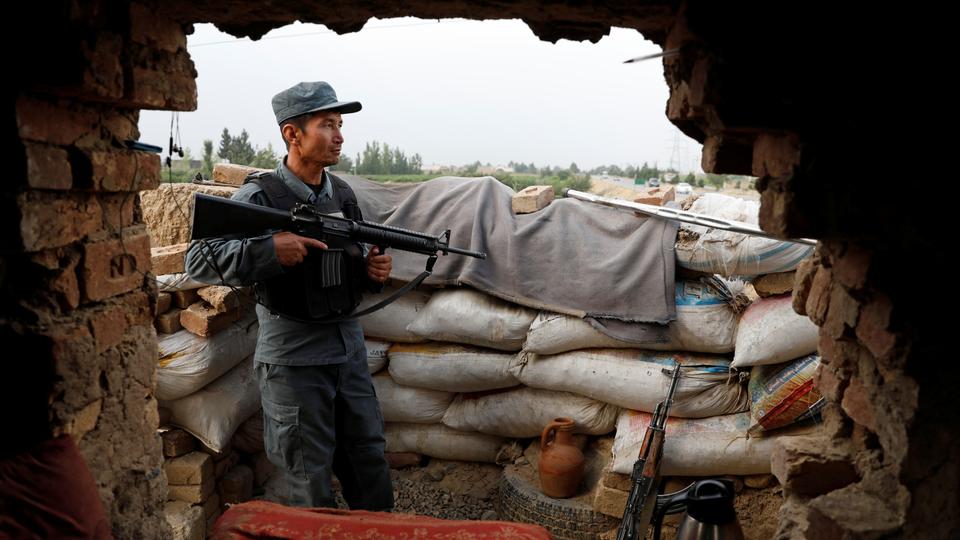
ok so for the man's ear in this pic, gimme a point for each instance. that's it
(290, 133)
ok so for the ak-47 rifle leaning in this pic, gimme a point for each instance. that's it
(646, 471)
(217, 216)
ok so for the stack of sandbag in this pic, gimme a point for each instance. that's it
(778, 349)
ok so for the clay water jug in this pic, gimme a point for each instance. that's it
(561, 461)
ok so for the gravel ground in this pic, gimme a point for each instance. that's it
(447, 489)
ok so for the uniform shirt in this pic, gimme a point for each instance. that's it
(244, 261)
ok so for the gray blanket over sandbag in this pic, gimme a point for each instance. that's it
(571, 257)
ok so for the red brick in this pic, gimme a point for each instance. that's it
(164, 301)
(842, 314)
(56, 219)
(857, 404)
(829, 382)
(48, 167)
(168, 259)
(168, 322)
(53, 123)
(184, 299)
(819, 297)
(117, 210)
(108, 326)
(237, 485)
(164, 88)
(204, 320)
(803, 282)
(102, 75)
(124, 170)
(148, 170)
(155, 32)
(111, 267)
(725, 154)
(62, 264)
(873, 328)
(775, 154)
(852, 267)
(121, 124)
(177, 442)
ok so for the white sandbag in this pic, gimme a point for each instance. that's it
(376, 354)
(523, 412)
(248, 438)
(390, 323)
(441, 442)
(471, 317)
(728, 253)
(213, 414)
(400, 403)
(706, 322)
(189, 362)
(771, 332)
(450, 367)
(702, 447)
(636, 379)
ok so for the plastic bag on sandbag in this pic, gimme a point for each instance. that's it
(390, 323)
(706, 322)
(248, 438)
(189, 362)
(729, 253)
(400, 403)
(376, 354)
(524, 412)
(442, 442)
(698, 447)
(771, 332)
(784, 394)
(213, 413)
(450, 367)
(636, 379)
(472, 317)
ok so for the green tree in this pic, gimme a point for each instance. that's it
(237, 149)
(208, 158)
(264, 158)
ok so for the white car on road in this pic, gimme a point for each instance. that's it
(684, 189)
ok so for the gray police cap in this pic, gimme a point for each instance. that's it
(308, 97)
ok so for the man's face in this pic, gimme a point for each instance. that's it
(321, 140)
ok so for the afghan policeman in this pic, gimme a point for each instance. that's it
(320, 412)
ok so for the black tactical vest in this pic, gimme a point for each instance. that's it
(327, 283)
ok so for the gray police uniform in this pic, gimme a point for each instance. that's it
(321, 413)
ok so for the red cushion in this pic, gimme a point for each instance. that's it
(261, 519)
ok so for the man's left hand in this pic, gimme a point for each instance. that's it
(378, 266)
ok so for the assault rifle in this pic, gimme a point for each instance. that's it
(217, 216)
(220, 217)
(646, 471)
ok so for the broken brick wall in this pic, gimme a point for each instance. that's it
(795, 97)
(76, 291)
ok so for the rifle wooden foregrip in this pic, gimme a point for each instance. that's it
(653, 445)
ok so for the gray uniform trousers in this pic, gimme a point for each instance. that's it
(323, 419)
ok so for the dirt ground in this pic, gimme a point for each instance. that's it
(447, 489)
(458, 490)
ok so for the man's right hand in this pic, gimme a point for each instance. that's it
(292, 248)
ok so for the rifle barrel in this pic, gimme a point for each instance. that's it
(683, 216)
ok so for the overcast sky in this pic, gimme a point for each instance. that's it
(454, 91)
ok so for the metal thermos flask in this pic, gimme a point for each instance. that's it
(710, 514)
